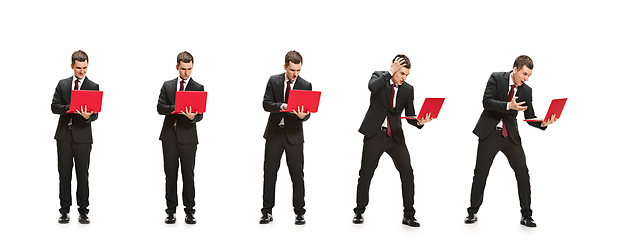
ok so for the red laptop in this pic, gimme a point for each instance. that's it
(308, 99)
(554, 108)
(432, 106)
(195, 99)
(92, 99)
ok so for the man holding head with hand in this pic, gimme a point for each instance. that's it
(74, 138)
(390, 95)
(506, 94)
(179, 139)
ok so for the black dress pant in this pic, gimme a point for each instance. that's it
(68, 152)
(275, 146)
(487, 149)
(178, 155)
(373, 148)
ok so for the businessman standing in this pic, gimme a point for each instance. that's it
(73, 138)
(284, 132)
(179, 139)
(505, 95)
(389, 96)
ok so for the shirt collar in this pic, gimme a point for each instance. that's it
(179, 79)
(79, 80)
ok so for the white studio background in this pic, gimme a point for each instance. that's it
(453, 45)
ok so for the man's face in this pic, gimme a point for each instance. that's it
(80, 69)
(185, 69)
(521, 76)
(400, 76)
(292, 70)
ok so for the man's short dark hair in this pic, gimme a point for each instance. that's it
(523, 60)
(407, 63)
(294, 57)
(185, 57)
(79, 56)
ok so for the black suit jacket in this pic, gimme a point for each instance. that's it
(81, 128)
(186, 129)
(273, 98)
(380, 88)
(494, 102)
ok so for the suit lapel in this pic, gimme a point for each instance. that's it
(520, 93)
(69, 88)
(172, 90)
(503, 87)
(388, 92)
(281, 81)
(190, 85)
(86, 84)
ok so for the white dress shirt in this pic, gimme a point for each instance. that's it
(285, 87)
(393, 100)
(510, 84)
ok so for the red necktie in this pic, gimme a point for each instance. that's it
(182, 85)
(76, 86)
(287, 92)
(391, 105)
(508, 99)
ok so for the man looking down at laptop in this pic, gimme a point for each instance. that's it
(74, 138)
(284, 132)
(179, 139)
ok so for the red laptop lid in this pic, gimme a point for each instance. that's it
(430, 105)
(554, 108)
(308, 99)
(92, 99)
(196, 100)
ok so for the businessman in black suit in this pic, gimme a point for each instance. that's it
(73, 138)
(284, 132)
(390, 95)
(179, 139)
(505, 95)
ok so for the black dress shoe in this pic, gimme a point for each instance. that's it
(84, 219)
(64, 218)
(300, 219)
(358, 219)
(170, 218)
(410, 221)
(190, 219)
(528, 222)
(266, 218)
(471, 218)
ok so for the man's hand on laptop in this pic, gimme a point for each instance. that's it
(83, 112)
(189, 113)
(550, 121)
(301, 112)
(424, 120)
